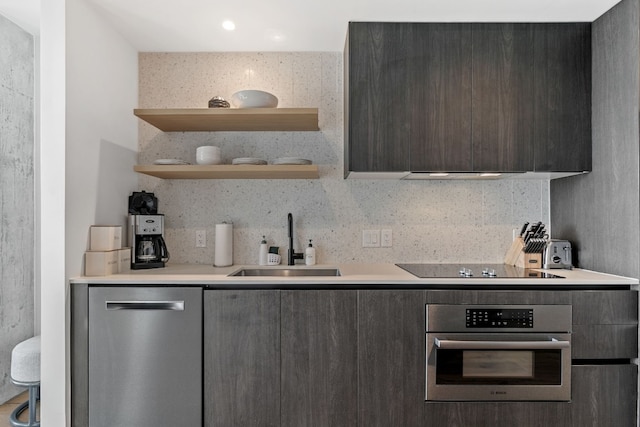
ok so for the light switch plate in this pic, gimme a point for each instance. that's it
(370, 238)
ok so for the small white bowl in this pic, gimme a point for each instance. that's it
(254, 99)
(208, 155)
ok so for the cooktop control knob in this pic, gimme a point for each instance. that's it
(465, 272)
(487, 272)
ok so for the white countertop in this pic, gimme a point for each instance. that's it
(351, 274)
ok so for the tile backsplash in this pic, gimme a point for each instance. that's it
(432, 221)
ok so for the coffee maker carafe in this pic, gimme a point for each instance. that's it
(147, 243)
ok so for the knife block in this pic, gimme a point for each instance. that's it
(518, 257)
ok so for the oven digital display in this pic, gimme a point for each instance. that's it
(497, 364)
(499, 318)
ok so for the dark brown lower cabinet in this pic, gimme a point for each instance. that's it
(604, 395)
(241, 358)
(319, 358)
(280, 358)
(357, 357)
(497, 414)
(391, 358)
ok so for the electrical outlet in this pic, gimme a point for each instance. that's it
(201, 238)
(386, 238)
(370, 238)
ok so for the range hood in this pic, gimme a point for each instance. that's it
(450, 176)
(456, 176)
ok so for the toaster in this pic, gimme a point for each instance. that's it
(557, 254)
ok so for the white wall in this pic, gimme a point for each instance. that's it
(89, 88)
(51, 203)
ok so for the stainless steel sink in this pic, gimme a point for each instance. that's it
(286, 272)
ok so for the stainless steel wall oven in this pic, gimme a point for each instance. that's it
(498, 352)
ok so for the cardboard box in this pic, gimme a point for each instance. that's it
(124, 260)
(101, 263)
(105, 237)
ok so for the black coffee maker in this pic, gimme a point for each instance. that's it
(146, 230)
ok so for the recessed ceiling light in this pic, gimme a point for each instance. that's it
(229, 25)
(439, 174)
(490, 174)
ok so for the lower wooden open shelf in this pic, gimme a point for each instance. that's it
(230, 171)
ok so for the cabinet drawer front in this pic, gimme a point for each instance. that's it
(604, 395)
(604, 342)
(605, 308)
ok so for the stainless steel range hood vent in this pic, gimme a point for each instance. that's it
(451, 176)
(455, 176)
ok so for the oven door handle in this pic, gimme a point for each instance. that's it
(501, 345)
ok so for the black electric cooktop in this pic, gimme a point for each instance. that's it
(474, 271)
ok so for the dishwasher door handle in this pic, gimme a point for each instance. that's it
(501, 345)
(145, 305)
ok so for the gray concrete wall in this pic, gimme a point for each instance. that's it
(16, 195)
(599, 212)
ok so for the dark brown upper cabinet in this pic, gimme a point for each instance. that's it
(379, 62)
(562, 101)
(408, 97)
(440, 131)
(501, 101)
(465, 97)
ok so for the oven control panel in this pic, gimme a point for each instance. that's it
(499, 318)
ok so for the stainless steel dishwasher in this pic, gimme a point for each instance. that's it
(145, 356)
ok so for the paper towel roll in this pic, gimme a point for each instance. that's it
(224, 245)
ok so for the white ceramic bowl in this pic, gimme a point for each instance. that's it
(254, 99)
(208, 155)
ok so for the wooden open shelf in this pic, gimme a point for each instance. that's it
(230, 119)
(230, 171)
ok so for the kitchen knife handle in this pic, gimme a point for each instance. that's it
(523, 229)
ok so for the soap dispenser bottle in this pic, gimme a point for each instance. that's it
(310, 254)
(264, 251)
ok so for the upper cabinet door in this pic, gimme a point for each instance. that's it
(502, 97)
(441, 98)
(378, 70)
(495, 97)
(562, 135)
